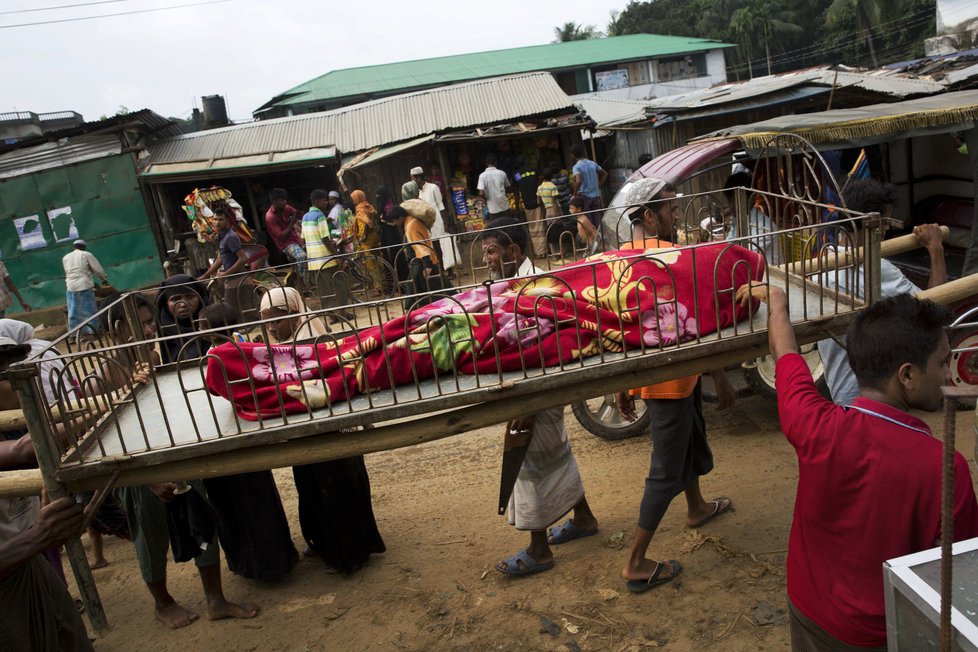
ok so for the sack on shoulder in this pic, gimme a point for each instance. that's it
(422, 210)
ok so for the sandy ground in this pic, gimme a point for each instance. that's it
(435, 589)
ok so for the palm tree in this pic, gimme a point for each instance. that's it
(868, 16)
(762, 21)
(744, 25)
(614, 25)
(774, 23)
(574, 32)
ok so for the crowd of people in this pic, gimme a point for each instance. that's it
(413, 226)
(869, 471)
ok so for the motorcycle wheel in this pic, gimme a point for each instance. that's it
(759, 373)
(600, 416)
(964, 364)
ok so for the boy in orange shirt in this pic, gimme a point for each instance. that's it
(681, 453)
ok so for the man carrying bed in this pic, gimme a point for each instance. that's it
(869, 475)
(549, 484)
(680, 452)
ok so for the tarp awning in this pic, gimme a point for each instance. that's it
(866, 125)
(233, 166)
(377, 153)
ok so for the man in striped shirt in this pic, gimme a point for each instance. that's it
(322, 252)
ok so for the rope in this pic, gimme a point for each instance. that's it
(947, 520)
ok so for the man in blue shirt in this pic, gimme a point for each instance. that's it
(588, 177)
(232, 258)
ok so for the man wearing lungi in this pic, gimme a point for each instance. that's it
(549, 484)
(680, 452)
(36, 610)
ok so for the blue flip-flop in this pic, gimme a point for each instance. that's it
(641, 586)
(567, 531)
(530, 565)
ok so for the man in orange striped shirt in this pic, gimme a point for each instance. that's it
(681, 453)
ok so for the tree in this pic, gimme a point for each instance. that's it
(614, 29)
(744, 25)
(868, 17)
(764, 21)
(573, 32)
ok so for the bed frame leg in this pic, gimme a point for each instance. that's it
(48, 458)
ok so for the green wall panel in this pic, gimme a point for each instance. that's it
(19, 195)
(108, 212)
(53, 187)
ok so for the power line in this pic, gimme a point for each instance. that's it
(121, 13)
(915, 20)
(835, 44)
(82, 4)
(912, 20)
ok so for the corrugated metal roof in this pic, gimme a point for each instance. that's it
(609, 112)
(479, 65)
(58, 153)
(144, 120)
(883, 82)
(380, 122)
(236, 165)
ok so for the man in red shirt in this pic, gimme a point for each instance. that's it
(284, 224)
(869, 476)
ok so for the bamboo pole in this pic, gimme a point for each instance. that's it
(891, 247)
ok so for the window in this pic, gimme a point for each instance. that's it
(687, 67)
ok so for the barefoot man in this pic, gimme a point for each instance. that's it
(549, 484)
(146, 510)
(680, 452)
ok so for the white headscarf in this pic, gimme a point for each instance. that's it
(51, 367)
(288, 298)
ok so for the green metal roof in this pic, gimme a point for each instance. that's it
(478, 65)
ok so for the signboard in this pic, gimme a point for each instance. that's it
(611, 79)
(62, 224)
(30, 233)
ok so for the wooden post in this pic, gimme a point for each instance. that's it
(47, 460)
(449, 205)
(259, 223)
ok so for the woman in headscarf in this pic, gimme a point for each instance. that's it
(335, 512)
(54, 381)
(179, 303)
(253, 529)
(366, 235)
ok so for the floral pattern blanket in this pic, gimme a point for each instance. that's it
(614, 301)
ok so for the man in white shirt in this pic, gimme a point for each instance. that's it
(444, 244)
(334, 210)
(872, 196)
(79, 266)
(492, 185)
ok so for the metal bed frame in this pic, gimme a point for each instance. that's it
(172, 427)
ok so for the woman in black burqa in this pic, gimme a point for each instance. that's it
(335, 510)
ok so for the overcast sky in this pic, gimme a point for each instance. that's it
(247, 50)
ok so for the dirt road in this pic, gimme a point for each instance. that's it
(435, 588)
